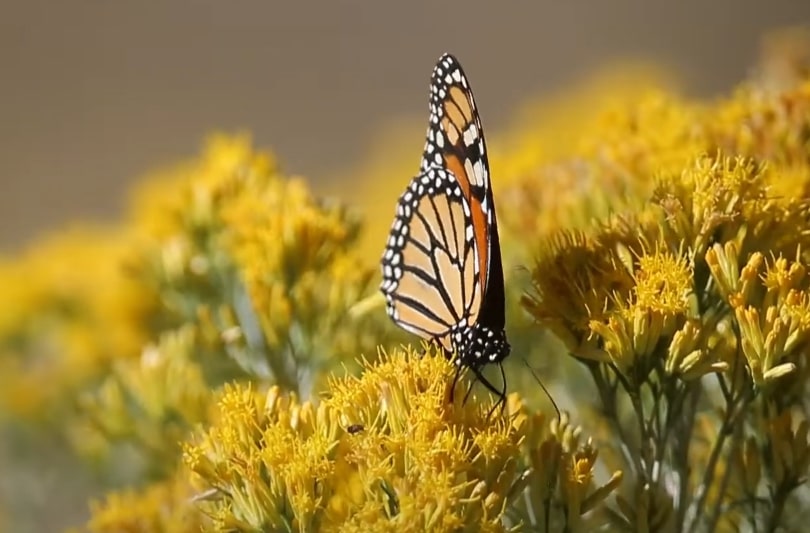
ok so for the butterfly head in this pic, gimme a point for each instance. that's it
(477, 345)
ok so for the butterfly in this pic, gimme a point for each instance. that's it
(442, 271)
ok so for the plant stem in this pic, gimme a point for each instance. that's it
(680, 454)
(779, 500)
(733, 412)
(715, 516)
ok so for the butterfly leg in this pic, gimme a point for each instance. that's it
(478, 377)
(501, 394)
(503, 380)
(455, 382)
(470, 388)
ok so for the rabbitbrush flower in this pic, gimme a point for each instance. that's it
(382, 451)
(666, 307)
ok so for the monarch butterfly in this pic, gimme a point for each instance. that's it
(442, 272)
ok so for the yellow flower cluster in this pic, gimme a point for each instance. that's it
(226, 270)
(69, 311)
(261, 265)
(141, 403)
(772, 309)
(165, 507)
(387, 451)
(679, 298)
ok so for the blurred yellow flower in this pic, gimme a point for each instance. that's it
(164, 507)
(259, 262)
(72, 311)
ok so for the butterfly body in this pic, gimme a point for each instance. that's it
(442, 272)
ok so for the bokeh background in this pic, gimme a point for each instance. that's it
(93, 95)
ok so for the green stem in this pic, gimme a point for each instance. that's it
(779, 499)
(646, 452)
(734, 411)
(680, 453)
(715, 516)
(607, 395)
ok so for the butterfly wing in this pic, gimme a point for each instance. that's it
(430, 264)
(455, 142)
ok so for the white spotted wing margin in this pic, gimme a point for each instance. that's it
(454, 125)
(430, 263)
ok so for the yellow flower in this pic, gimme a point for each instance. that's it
(656, 133)
(772, 311)
(70, 310)
(164, 507)
(384, 450)
(573, 281)
(187, 194)
(657, 305)
(689, 355)
(141, 403)
(265, 268)
(401, 403)
(558, 458)
(709, 199)
(570, 122)
(291, 250)
(663, 284)
(670, 239)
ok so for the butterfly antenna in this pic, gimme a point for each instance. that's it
(540, 382)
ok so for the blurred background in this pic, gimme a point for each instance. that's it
(94, 94)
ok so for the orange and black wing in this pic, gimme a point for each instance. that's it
(455, 142)
(430, 264)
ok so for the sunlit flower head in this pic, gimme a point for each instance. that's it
(386, 448)
(574, 281)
